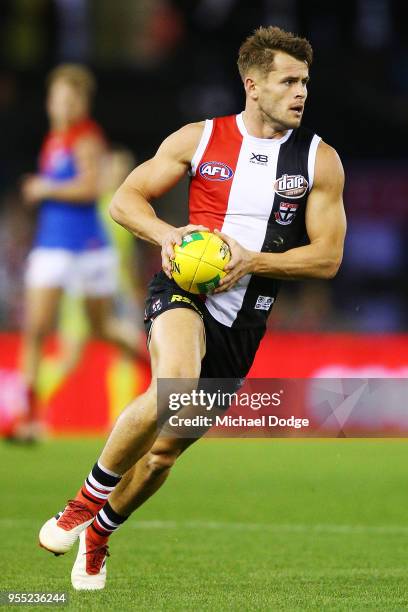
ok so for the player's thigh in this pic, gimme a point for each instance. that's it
(99, 275)
(41, 306)
(46, 275)
(177, 344)
(49, 268)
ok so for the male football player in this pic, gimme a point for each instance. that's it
(71, 248)
(264, 182)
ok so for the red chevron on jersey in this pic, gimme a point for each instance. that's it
(212, 176)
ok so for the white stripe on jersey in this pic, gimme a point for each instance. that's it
(249, 208)
(202, 145)
(312, 159)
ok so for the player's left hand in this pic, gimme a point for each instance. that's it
(34, 188)
(173, 237)
(239, 264)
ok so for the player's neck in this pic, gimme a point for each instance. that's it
(257, 126)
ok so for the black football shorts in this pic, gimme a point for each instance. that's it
(229, 351)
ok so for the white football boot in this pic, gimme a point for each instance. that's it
(60, 532)
(89, 570)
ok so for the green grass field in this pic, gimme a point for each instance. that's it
(240, 525)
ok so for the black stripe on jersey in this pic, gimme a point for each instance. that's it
(293, 159)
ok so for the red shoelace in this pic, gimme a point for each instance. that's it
(95, 558)
(74, 514)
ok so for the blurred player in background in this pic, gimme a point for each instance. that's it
(73, 325)
(280, 183)
(71, 246)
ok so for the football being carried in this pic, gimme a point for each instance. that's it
(199, 262)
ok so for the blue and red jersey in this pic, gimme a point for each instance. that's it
(74, 226)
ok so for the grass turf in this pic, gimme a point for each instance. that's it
(241, 525)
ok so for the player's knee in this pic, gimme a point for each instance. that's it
(160, 462)
(191, 370)
(141, 414)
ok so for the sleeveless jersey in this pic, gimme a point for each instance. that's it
(254, 190)
(65, 225)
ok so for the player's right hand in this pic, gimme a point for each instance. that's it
(175, 236)
(34, 188)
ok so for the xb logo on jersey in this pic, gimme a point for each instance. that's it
(286, 213)
(291, 186)
(216, 171)
(258, 158)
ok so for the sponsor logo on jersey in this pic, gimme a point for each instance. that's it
(264, 302)
(257, 158)
(216, 171)
(183, 298)
(286, 213)
(291, 186)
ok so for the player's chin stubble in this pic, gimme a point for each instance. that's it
(281, 124)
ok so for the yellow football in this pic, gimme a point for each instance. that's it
(199, 262)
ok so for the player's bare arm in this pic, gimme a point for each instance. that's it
(84, 188)
(131, 206)
(326, 228)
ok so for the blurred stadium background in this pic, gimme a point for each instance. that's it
(297, 525)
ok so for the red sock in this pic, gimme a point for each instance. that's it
(93, 506)
(95, 538)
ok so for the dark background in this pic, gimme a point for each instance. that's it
(163, 63)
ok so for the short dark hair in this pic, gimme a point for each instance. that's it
(258, 50)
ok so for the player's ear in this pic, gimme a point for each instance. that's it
(251, 89)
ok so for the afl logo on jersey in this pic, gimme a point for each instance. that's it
(216, 171)
(291, 186)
